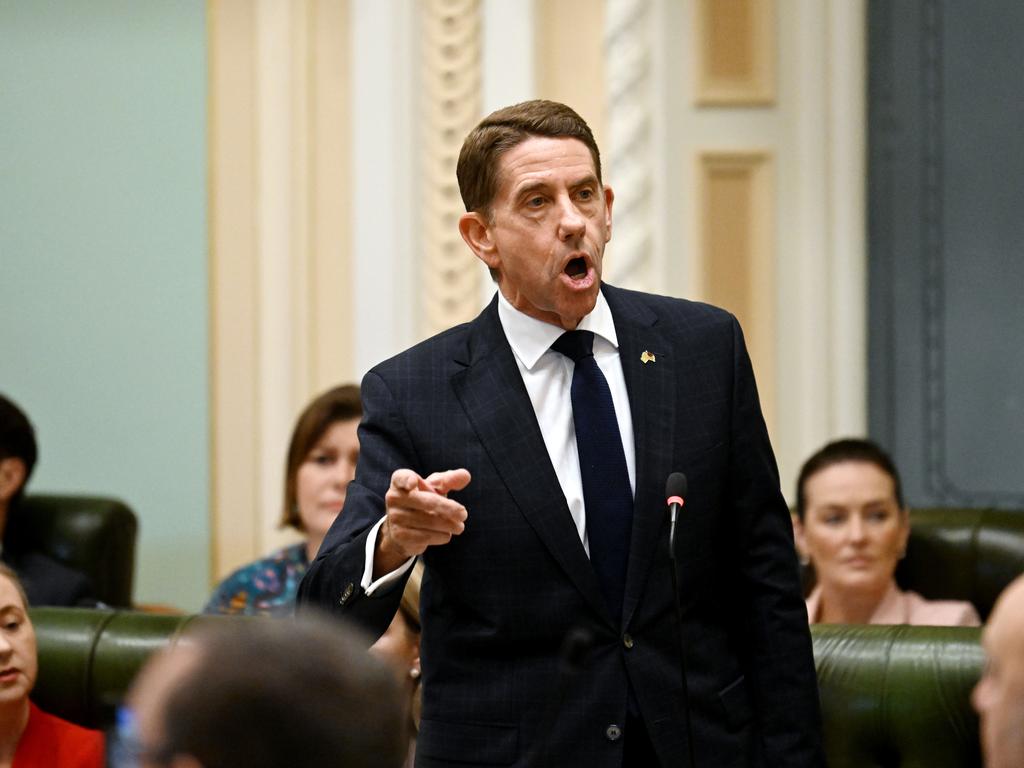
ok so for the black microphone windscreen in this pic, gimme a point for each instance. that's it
(676, 485)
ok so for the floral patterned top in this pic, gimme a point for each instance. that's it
(266, 587)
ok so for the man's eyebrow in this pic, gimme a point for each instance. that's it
(589, 179)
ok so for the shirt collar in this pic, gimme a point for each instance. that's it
(530, 338)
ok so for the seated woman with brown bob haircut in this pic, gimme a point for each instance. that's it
(852, 526)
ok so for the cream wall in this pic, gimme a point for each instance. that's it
(324, 133)
(732, 132)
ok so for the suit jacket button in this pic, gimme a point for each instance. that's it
(347, 593)
(627, 640)
(613, 732)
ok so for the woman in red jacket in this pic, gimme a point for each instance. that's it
(30, 737)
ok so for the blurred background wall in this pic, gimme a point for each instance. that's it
(213, 210)
(103, 264)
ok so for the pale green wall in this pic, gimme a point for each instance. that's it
(103, 295)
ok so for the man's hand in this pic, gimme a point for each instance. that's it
(419, 515)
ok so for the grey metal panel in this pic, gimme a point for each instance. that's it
(946, 247)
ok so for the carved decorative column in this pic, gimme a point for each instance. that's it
(627, 155)
(449, 108)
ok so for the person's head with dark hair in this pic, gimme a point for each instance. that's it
(478, 168)
(321, 462)
(265, 693)
(850, 449)
(851, 525)
(18, 453)
(537, 211)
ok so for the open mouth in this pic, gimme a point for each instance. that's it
(576, 268)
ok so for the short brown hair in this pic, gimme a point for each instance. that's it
(477, 169)
(338, 404)
(319, 699)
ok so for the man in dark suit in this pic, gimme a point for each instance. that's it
(46, 581)
(545, 530)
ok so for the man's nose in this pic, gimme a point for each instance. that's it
(572, 223)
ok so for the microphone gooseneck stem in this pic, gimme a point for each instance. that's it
(674, 510)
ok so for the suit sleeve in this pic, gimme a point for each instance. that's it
(781, 661)
(332, 583)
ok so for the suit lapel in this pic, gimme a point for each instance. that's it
(491, 391)
(652, 393)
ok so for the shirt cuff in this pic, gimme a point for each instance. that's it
(368, 584)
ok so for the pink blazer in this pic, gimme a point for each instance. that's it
(898, 607)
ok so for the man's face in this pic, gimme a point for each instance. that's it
(18, 664)
(550, 220)
(999, 696)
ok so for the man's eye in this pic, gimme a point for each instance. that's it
(535, 202)
(586, 194)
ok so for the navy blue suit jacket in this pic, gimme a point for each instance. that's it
(499, 599)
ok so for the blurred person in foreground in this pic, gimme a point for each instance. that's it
(400, 645)
(29, 737)
(263, 694)
(46, 581)
(852, 526)
(999, 696)
(321, 462)
(524, 456)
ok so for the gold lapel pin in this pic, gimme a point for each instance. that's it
(647, 357)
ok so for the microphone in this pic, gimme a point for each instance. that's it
(675, 492)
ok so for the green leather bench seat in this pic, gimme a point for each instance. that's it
(899, 695)
(891, 696)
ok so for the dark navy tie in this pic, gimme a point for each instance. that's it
(607, 498)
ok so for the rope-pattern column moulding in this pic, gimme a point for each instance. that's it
(628, 168)
(450, 107)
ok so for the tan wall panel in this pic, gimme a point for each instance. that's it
(570, 58)
(280, 275)
(330, 320)
(736, 52)
(737, 266)
(234, 352)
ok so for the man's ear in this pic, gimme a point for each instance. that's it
(609, 198)
(476, 231)
(12, 477)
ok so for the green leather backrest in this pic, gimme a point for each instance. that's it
(891, 696)
(898, 695)
(88, 658)
(963, 554)
(93, 534)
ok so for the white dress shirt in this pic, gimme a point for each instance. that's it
(548, 378)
